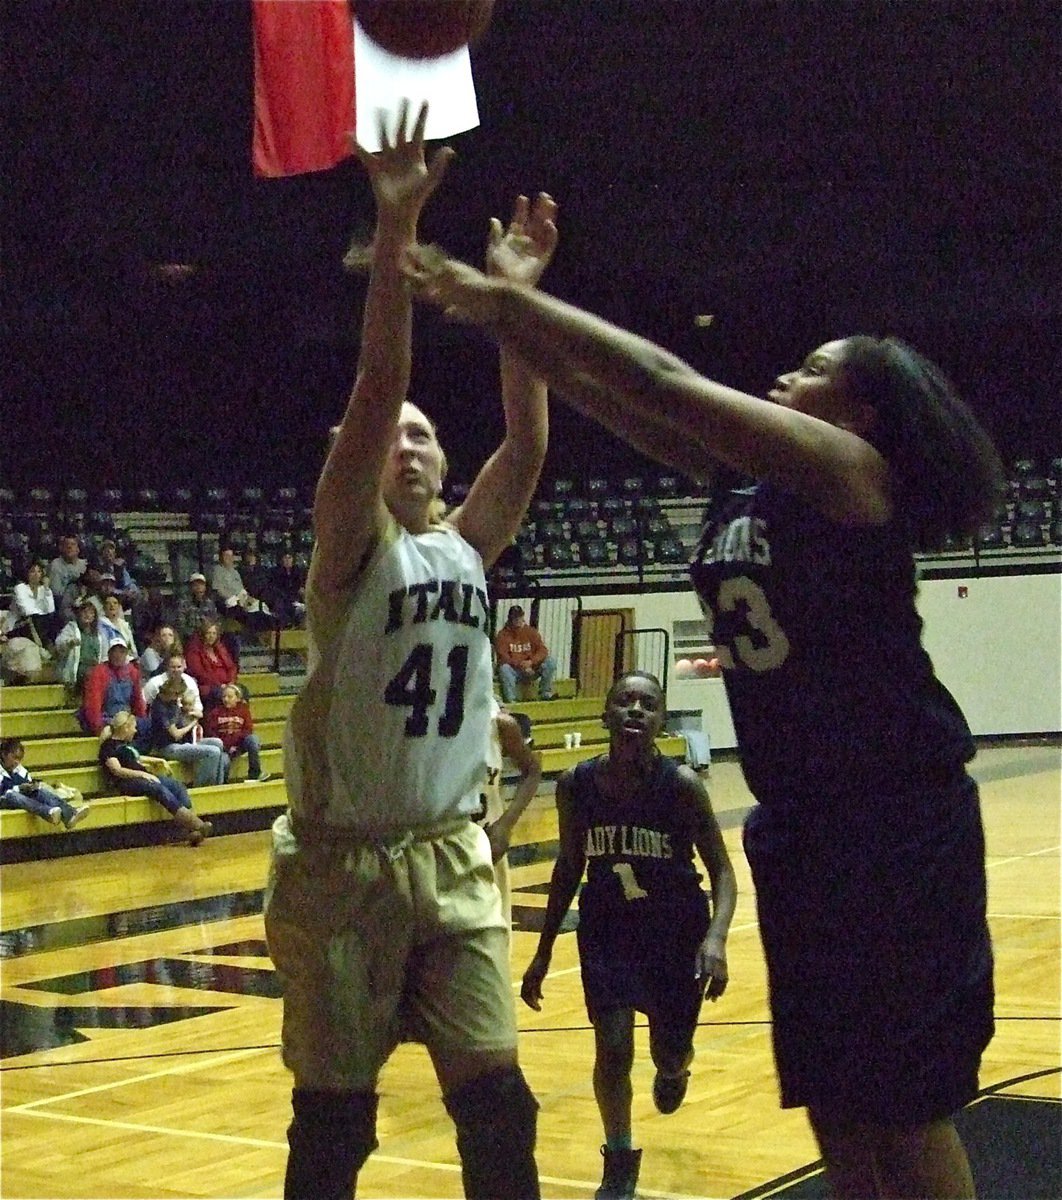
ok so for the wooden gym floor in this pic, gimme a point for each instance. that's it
(141, 1024)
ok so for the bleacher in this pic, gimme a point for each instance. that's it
(58, 752)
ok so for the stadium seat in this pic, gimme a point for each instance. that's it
(181, 500)
(594, 553)
(7, 500)
(585, 531)
(146, 499)
(647, 506)
(632, 487)
(597, 488)
(1030, 510)
(1027, 534)
(562, 489)
(629, 551)
(217, 498)
(667, 487)
(110, 499)
(579, 508)
(990, 537)
(73, 500)
(1055, 531)
(40, 500)
(611, 507)
(1035, 487)
(286, 497)
(552, 531)
(622, 527)
(559, 555)
(669, 549)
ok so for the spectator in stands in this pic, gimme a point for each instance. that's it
(87, 585)
(82, 644)
(32, 613)
(124, 764)
(173, 735)
(522, 656)
(18, 789)
(174, 667)
(112, 686)
(111, 564)
(254, 575)
(162, 642)
(195, 608)
(114, 614)
(20, 657)
(153, 611)
(232, 723)
(286, 592)
(209, 662)
(67, 568)
(238, 603)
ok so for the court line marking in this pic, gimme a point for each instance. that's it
(391, 1160)
(1002, 862)
(186, 1068)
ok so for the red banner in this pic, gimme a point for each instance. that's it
(303, 85)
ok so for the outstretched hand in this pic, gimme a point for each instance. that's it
(402, 179)
(522, 252)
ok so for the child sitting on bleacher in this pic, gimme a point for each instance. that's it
(126, 766)
(231, 721)
(18, 789)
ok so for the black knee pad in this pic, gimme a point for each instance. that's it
(495, 1117)
(330, 1137)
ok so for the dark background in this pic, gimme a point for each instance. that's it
(799, 169)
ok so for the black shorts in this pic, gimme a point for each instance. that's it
(878, 956)
(646, 965)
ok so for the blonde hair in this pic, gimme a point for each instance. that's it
(121, 719)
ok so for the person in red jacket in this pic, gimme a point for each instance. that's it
(231, 721)
(110, 687)
(209, 662)
(522, 655)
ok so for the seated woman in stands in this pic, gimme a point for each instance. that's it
(114, 614)
(82, 644)
(32, 613)
(128, 768)
(162, 642)
(19, 790)
(209, 662)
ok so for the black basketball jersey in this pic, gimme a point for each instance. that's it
(639, 854)
(815, 625)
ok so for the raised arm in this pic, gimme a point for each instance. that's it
(663, 397)
(349, 511)
(498, 499)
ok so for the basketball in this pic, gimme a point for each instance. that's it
(701, 668)
(684, 669)
(423, 28)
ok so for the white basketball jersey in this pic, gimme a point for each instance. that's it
(491, 805)
(391, 731)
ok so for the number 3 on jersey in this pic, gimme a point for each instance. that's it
(771, 648)
(412, 688)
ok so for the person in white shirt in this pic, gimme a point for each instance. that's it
(68, 566)
(32, 614)
(175, 669)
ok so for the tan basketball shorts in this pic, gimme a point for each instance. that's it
(378, 944)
